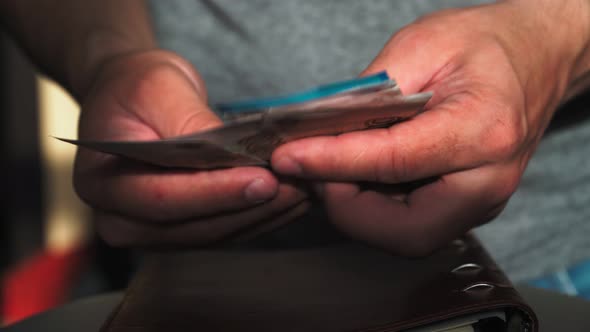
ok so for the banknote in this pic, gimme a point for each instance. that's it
(320, 92)
(251, 138)
(198, 154)
(367, 95)
(259, 134)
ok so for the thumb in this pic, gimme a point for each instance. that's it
(404, 152)
(415, 57)
(194, 109)
(168, 94)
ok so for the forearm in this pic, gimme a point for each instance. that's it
(566, 33)
(549, 41)
(581, 71)
(70, 39)
(580, 81)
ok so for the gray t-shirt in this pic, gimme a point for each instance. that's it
(266, 47)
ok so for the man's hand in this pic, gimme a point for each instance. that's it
(152, 95)
(497, 72)
(104, 53)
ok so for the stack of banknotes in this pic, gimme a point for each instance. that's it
(253, 129)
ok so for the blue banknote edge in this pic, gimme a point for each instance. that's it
(321, 91)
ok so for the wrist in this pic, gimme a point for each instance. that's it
(581, 69)
(550, 41)
(562, 32)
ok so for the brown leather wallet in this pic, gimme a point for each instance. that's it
(339, 288)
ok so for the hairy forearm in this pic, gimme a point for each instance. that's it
(576, 28)
(568, 35)
(547, 40)
(70, 39)
(580, 81)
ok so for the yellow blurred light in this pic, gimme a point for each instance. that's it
(67, 222)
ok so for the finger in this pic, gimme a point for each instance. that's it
(290, 215)
(476, 116)
(431, 216)
(443, 140)
(165, 195)
(122, 231)
(413, 66)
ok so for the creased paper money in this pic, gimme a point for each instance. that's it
(249, 138)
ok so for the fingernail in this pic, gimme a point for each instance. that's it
(259, 191)
(288, 166)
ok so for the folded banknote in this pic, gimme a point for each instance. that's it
(253, 129)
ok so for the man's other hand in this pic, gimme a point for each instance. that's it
(153, 95)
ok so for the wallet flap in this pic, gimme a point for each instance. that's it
(329, 289)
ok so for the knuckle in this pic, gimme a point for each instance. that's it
(86, 188)
(151, 81)
(392, 166)
(113, 235)
(412, 242)
(507, 187)
(503, 139)
(156, 202)
(418, 247)
(420, 239)
(81, 190)
(208, 234)
(493, 212)
(114, 240)
(165, 197)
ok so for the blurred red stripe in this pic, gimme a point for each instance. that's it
(39, 283)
